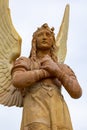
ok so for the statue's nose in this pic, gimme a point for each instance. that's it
(44, 36)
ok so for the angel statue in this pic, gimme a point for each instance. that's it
(35, 82)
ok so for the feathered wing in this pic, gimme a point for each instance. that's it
(10, 48)
(61, 39)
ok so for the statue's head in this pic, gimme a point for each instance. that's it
(41, 35)
(43, 28)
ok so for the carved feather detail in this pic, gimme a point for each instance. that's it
(10, 49)
(61, 39)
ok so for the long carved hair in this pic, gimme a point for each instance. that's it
(33, 53)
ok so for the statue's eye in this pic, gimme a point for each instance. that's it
(48, 34)
(40, 34)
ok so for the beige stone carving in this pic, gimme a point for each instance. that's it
(35, 83)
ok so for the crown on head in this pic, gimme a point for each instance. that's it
(44, 26)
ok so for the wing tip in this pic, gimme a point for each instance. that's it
(67, 7)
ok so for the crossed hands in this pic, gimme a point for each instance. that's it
(49, 65)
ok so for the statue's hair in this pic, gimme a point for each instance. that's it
(53, 48)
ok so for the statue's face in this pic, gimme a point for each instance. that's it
(44, 39)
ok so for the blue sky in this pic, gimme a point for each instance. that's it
(27, 16)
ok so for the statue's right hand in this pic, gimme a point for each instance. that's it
(50, 66)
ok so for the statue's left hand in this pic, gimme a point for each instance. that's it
(48, 64)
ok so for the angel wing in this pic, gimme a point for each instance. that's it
(10, 48)
(61, 39)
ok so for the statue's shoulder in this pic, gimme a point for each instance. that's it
(23, 59)
(22, 62)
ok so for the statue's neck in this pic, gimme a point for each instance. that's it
(41, 53)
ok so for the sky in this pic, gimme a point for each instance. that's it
(27, 15)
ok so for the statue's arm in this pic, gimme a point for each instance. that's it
(64, 74)
(69, 81)
(22, 77)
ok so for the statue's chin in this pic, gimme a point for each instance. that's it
(44, 47)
